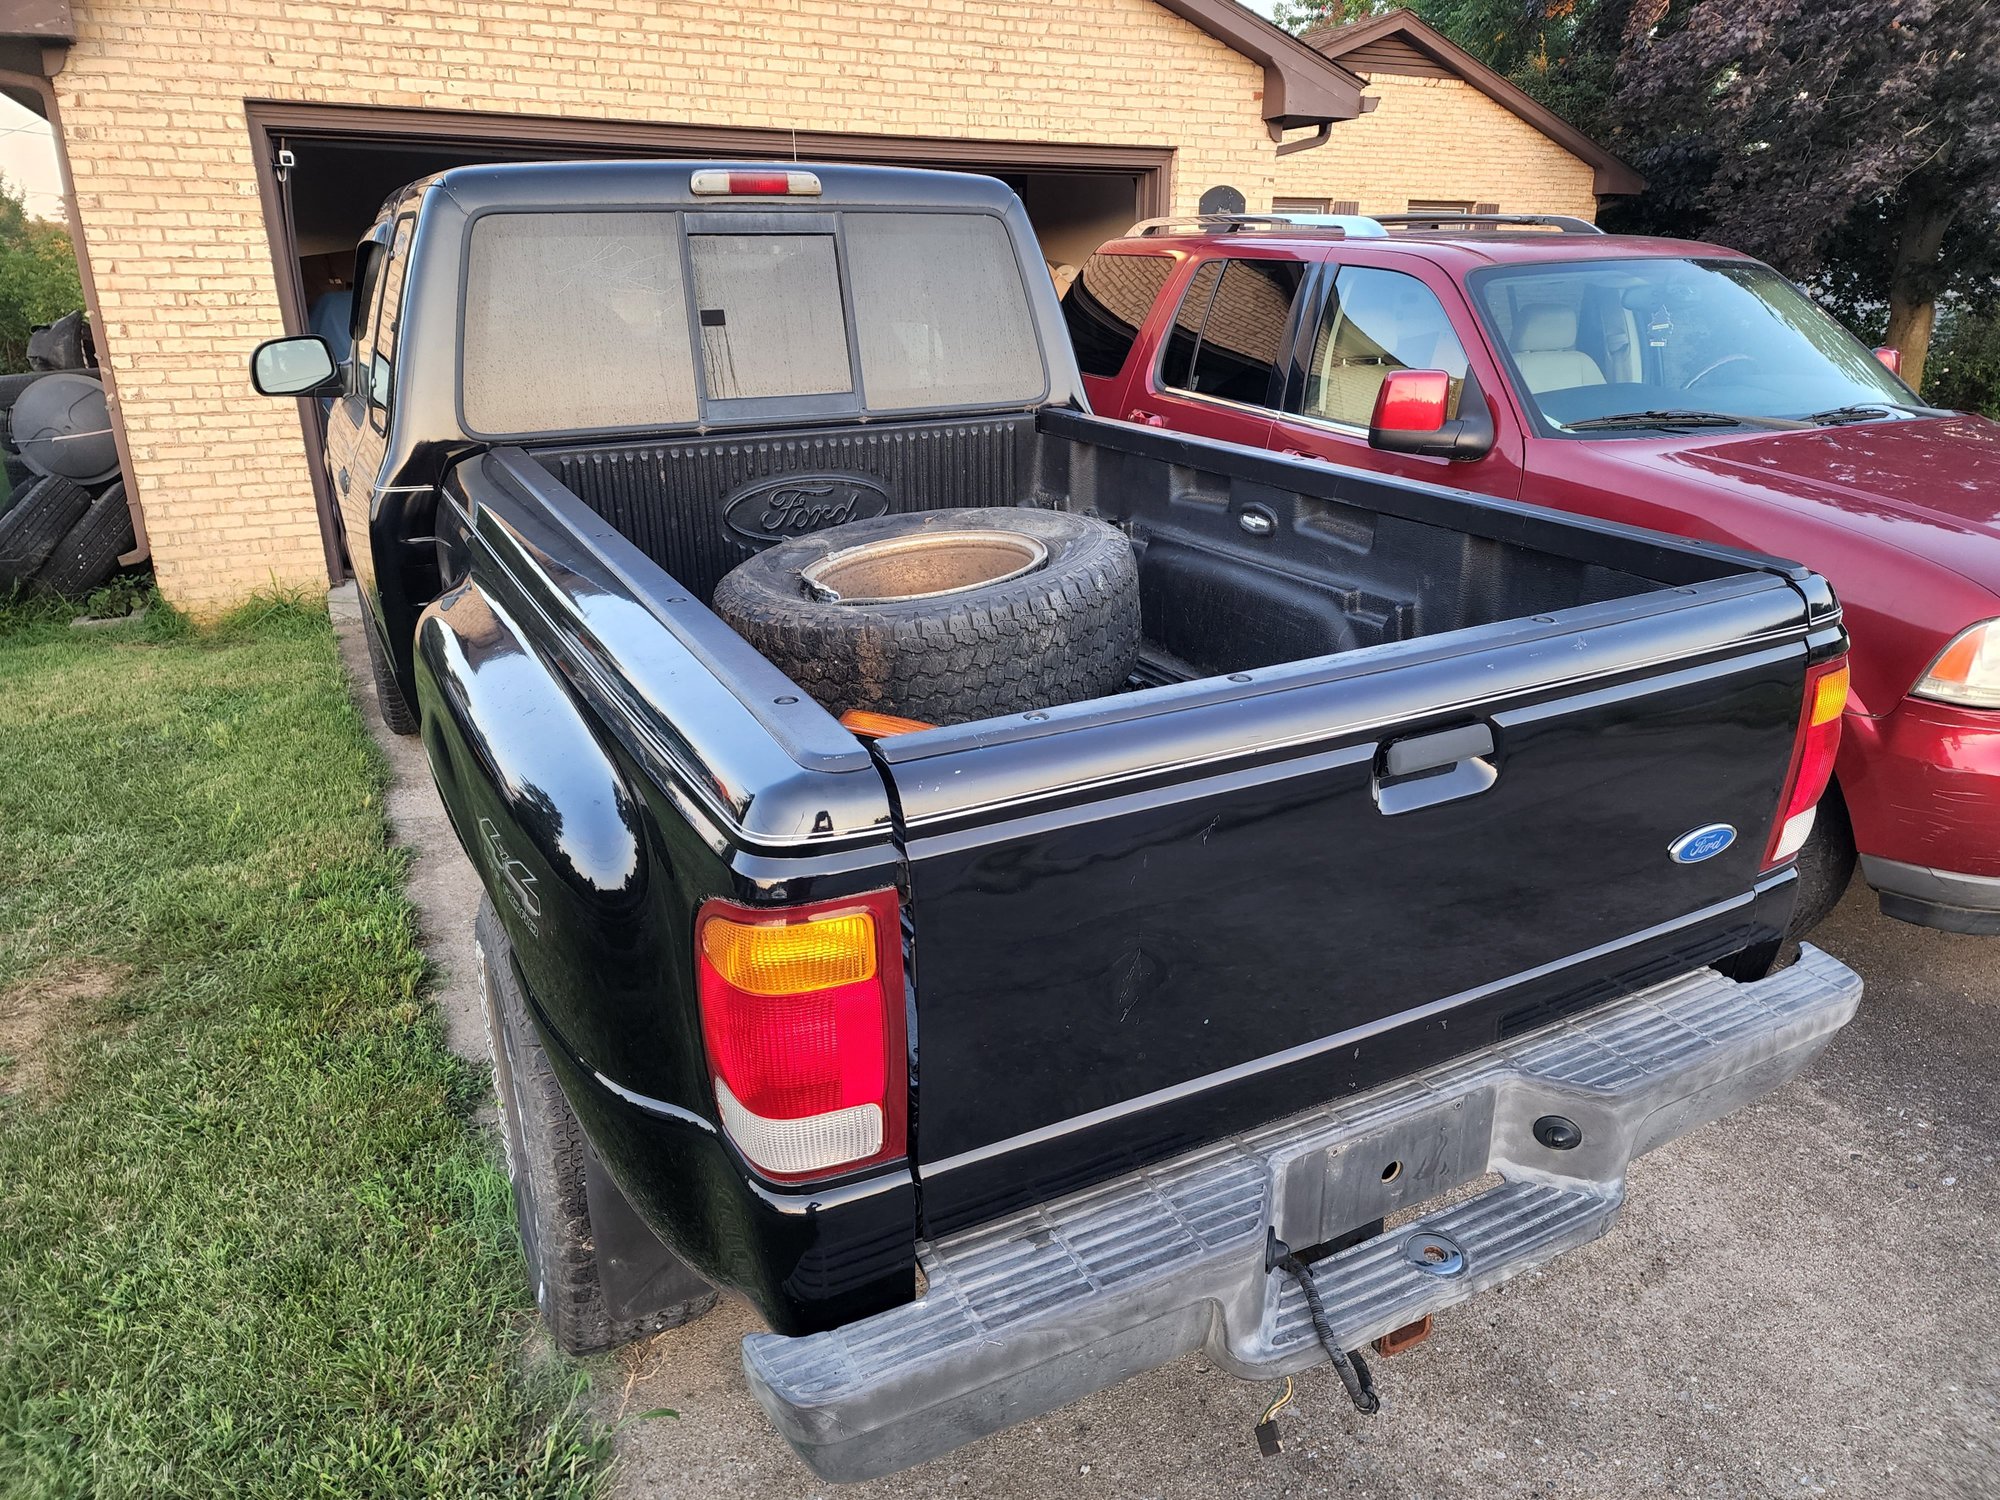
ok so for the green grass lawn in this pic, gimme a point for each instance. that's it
(250, 1243)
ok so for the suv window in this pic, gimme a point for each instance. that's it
(1241, 309)
(1374, 323)
(1107, 303)
(1613, 338)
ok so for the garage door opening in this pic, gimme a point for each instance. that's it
(325, 172)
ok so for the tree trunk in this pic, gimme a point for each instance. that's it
(1913, 284)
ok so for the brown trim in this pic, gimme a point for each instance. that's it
(1612, 176)
(44, 20)
(269, 121)
(1301, 86)
(292, 312)
(22, 84)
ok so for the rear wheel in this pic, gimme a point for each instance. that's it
(546, 1156)
(396, 710)
(1826, 865)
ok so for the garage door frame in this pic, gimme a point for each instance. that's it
(272, 121)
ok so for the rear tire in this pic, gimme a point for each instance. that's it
(396, 710)
(546, 1152)
(1826, 865)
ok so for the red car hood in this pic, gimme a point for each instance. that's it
(1930, 486)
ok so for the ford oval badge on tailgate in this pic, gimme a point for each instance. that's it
(1702, 843)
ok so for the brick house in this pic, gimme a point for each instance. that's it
(221, 157)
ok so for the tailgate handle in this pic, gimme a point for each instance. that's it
(1428, 769)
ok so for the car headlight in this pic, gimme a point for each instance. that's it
(1967, 672)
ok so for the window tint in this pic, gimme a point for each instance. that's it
(941, 314)
(1107, 304)
(768, 307)
(361, 325)
(1243, 334)
(575, 321)
(1376, 322)
(1185, 335)
(389, 320)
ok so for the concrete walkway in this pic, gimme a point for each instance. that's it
(1804, 1300)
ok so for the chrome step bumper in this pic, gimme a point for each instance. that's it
(1046, 1306)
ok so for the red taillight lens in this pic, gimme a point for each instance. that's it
(712, 183)
(1412, 401)
(802, 1014)
(1812, 759)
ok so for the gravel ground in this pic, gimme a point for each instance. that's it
(1802, 1300)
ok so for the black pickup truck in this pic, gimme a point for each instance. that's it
(1418, 873)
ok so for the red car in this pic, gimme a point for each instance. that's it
(1661, 383)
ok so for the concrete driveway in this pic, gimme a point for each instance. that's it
(1802, 1300)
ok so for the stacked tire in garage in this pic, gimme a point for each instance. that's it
(65, 521)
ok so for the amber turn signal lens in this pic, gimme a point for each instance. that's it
(1829, 696)
(794, 958)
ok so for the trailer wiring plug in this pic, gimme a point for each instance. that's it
(1270, 1443)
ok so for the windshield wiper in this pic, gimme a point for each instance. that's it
(1676, 418)
(1868, 411)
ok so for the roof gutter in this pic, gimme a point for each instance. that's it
(1301, 87)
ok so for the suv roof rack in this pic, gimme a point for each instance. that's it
(1563, 223)
(1232, 224)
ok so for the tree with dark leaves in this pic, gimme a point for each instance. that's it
(1855, 143)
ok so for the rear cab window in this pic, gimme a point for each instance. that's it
(640, 320)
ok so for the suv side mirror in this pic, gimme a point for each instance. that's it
(1410, 417)
(302, 366)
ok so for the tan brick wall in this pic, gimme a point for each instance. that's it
(152, 103)
(1438, 139)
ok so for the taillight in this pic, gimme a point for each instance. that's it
(802, 1013)
(714, 183)
(1812, 758)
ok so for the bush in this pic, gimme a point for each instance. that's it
(1964, 368)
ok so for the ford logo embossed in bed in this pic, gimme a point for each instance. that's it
(1702, 843)
(793, 504)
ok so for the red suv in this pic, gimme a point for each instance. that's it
(1656, 382)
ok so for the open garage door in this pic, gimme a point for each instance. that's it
(325, 170)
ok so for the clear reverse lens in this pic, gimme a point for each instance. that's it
(1967, 672)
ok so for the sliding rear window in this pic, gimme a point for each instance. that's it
(588, 322)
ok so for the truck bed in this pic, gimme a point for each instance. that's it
(1330, 576)
(1208, 901)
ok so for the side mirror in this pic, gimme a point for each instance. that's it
(1891, 357)
(1410, 417)
(302, 366)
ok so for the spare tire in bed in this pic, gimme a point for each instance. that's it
(945, 616)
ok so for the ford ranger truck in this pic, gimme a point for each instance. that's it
(1432, 864)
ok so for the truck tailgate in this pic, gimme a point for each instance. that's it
(1145, 922)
